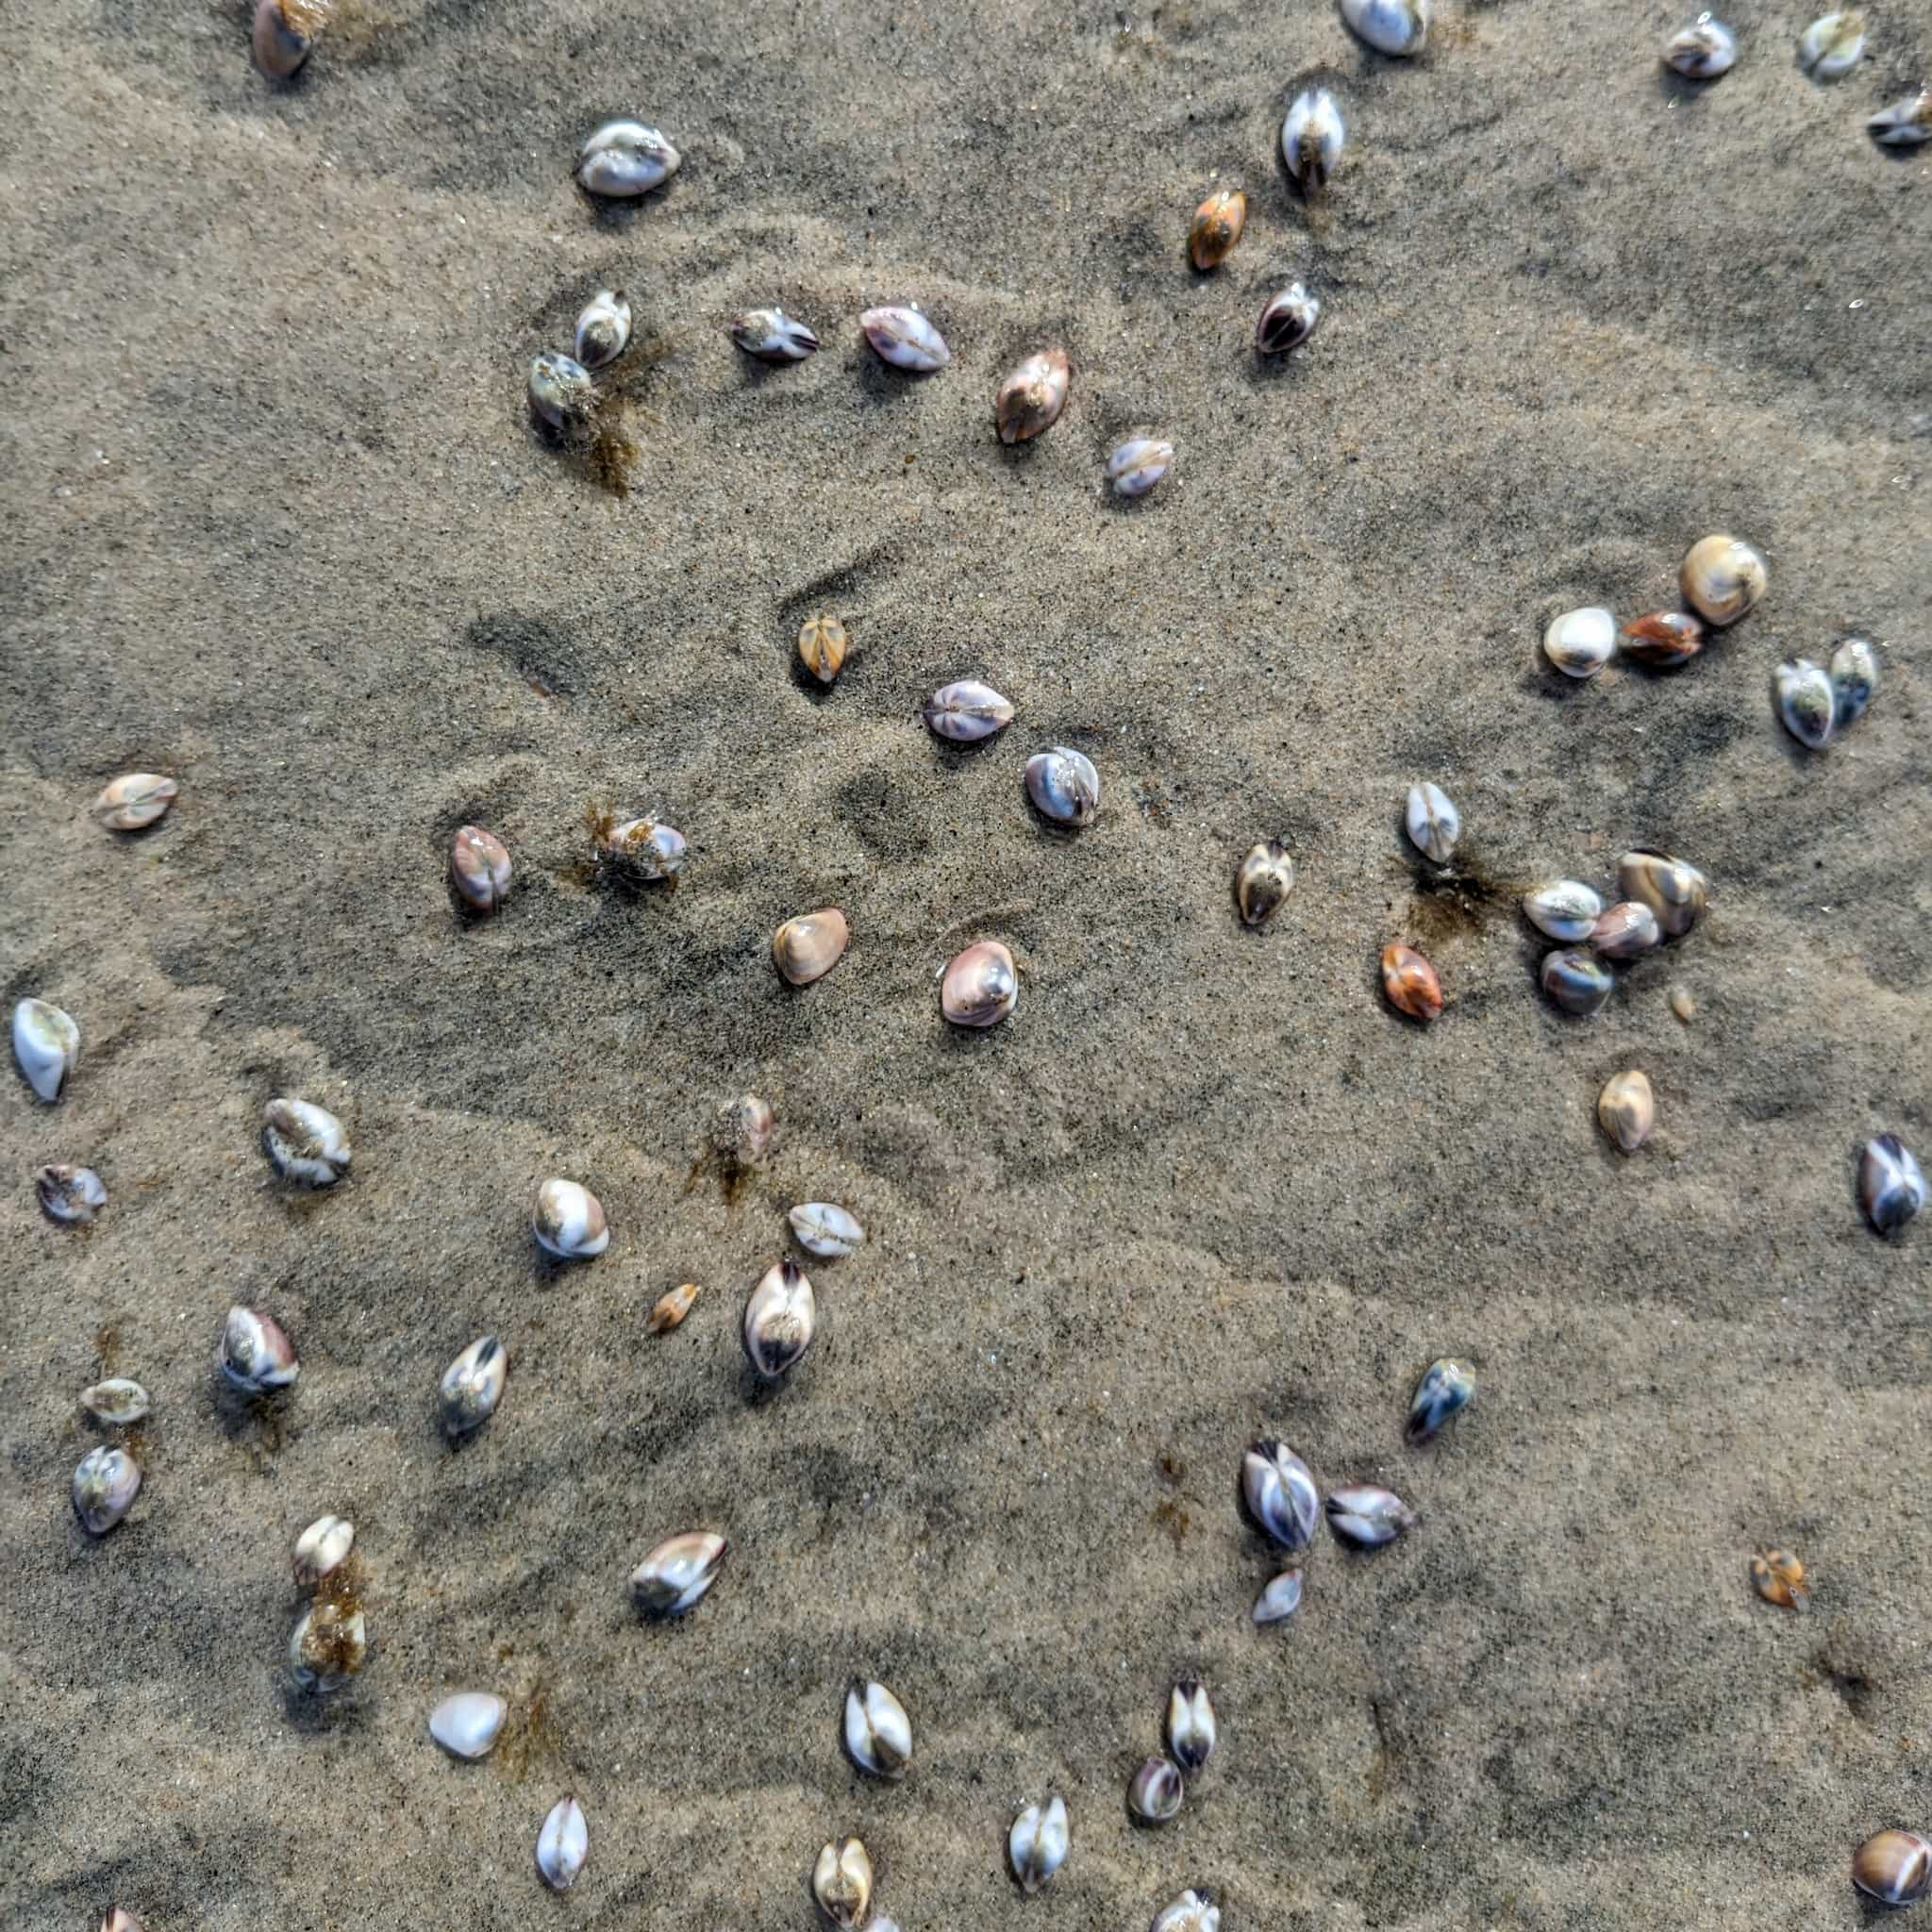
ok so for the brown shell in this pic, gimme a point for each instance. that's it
(672, 1308)
(1663, 640)
(1410, 982)
(1031, 398)
(821, 647)
(1216, 227)
(1778, 1577)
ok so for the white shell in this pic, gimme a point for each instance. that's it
(321, 1547)
(1564, 909)
(105, 1487)
(1829, 48)
(603, 330)
(825, 1230)
(1853, 678)
(70, 1194)
(1390, 27)
(135, 800)
(780, 1320)
(1580, 643)
(1192, 1731)
(1433, 822)
(625, 159)
(469, 1724)
(1312, 136)
(1037, 1845)
(1063, 786)
(1703, 50)
(1139, 464)
(773, 336)
(116, 1400)
(677, 1573)
(878, 1734)
(906, 339)
(1280, 1599)
(473, 1386)
(46, 1042)
(1806, 702)
(563, 1844)
(967, 711)
(1191, 1912)
(307, 1143)
(568, 1220)
(1904, 124)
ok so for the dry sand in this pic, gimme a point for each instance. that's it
(278, 524)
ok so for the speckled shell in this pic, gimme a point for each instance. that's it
(1216, 227)
(1806, 704)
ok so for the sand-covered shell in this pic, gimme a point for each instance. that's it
(1280, 1598)
(1369, 1516)
(780, 1320)
(1662, 639)
(1674, 890)
(568, 1220)
(1444, 1391)
(561, 391)
(625, 159)
(1703, 50)
(323, 1547)
(1137, 465)
(808, 946)
(1721, 578)
(307, 1143)
(603, 330)
(773, 336)
(479, 868)
(1155, 1791)
(1580, 643)
(284, 34)
(1806, 704)
(1853, 678)
(1311, 139)
(1216, 227)
(1031, 398)
(1063, 786)
(1287, 320)
(904, 338)
(46, 1043)
(743, 1131)
(472, 1386)
(644, 851)
(562, 1845)
(1037, 1843)
(1263, 880)
(841, 1883)
(136, 800)
(1894, 1868)
(1279, 1490)
(1565, 908)
(674, 1577)
(1829, 48)
(1904, 124)
(821, 647)
(469, 1724)
(1576, 980)
(117, 1401)
(1411, 983)
(1390, 26)
(71, 1195)
(826, 1230)
(105, 1487)
(327, 1646)
(980, 987)
(877, 1732)
(1626, 931)
(1192, 1729)
(1626, 1110)
(966, 711)
(1890, 1183)
(1433, 822)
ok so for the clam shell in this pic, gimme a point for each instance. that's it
(1703, 50)
(255, 1353)
(1433, 822)
(1721, 578)
(1443, 1392)
(283, 34)
(1580, 643)
(676, 1575)
(479, 867)
(1038, 1843)
(560, 392)
(105, 1487)
(877, 1732)
(1626, 930)
(1778, 1577)
(671, 1308)
(1661, 641)
(743, 1131)
(1806, 703)
(1628, 1111)
(780, 1321)
(1890, 1183)
(904, 337)
(625, 159)
(472, 1386)
(117, 1401)
(1367, 1516)
(807, 947)
(1829, 48)
(568, 1220)
(1287, 321)
(1672, 890)
(644, 851)
(1893, 1867)
(1563, 909)
(1194, 1911)
(324, 1546)
(1155, 1792)
(326, 1647)
(1192, 1731)
(603, 330)
(1312, 138)
(1262, 881)
(1063, 786)
(119, 1919)
(821, 647)
(563, 1844)
(46, 1042)
(1280, 1598)
(469, 1724)
(1137, 465)
(1279, 1490)
(825, 1230)
(1216, 227)
(1031, 398)
(1411, 983)
(967, 711)
(1390, 26)
(1853, 678)
(771, 336)
(1904, 124)
(980, 987)
(70, 1194)
(1576, 980)
(136, 800)
(307, 1143)
(841, 1883)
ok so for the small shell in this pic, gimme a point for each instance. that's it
(1194, 1911)
(603, 331)
(255, 1354)
(568, 1220)
(1626, 1110)
(1279, 1490)
(1721, 578)
(906, 339)
(561, 391)
(1853, 678)
(625, 159)
(119, 1919)
(1390, 27)
(1806, 702)
(1661, 641)
(1778, 1577)
(1443, 1392)
(1904, 124)
(46, 1042)
(321, 1547)
(967, 711)
(70, 1194)
(743, 1132)
(1139, 464)
(326, 1647)
(780, 1320)
(841, 1883)
(1434, 824)
(1626, 930)
(472, 1386)
(671, 1308)
(676, 1575)
(642, 851)
(1262, 881)
(1829, 48)
(1063, 786)
(1216, 227)
(469, 1724)
(1155, 1792)
(981, 986)
(1580, 643)
(1311, 139)
(1577, 981)
(1191, 1727)
(284, 34)
(306, 1142)
(1287, 321)
(136, 799)
(1703, 50)
(1890, 1183)
(878, 1734)
(821, 647)
(826, 1231)
(1563, 909)
(1410, 982)
(479, 867)
(1031, 398)
(1037, 1845)
(1893, 1867)
(563, 1844)
(1675, 891)
(116, 1401)
(105, 1487)
(1280, 1598)
(1367, 1516)
(771, 336)
(808, 947)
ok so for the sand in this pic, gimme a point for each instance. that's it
(279, 525)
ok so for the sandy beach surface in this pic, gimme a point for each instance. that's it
(279, 525)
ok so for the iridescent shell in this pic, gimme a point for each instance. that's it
(780, 1320)
(1853, 678)
(1890, 1183)
(1279, 1490)
(1806, 703)
(1063, 786)
(1155, 1792)
(1626, 930)
(676, 1575)
(1390, 26)
(603, 330)
(1662, 640)
(1137, 465)
(472, 1386)
(1576, 980)
(980, 986)
(1369, 1516)
(1893, 1867)
(1564, 909)
(1280, 1598)
(1444, 1391)
(1674, 890)
(807, 947)
(1263, 880)
(877, 1733)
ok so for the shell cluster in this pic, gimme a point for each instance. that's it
(1814, 705)
(330, 1640)
(1158, 1787)
(1663, 898)
(1284, 1502)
